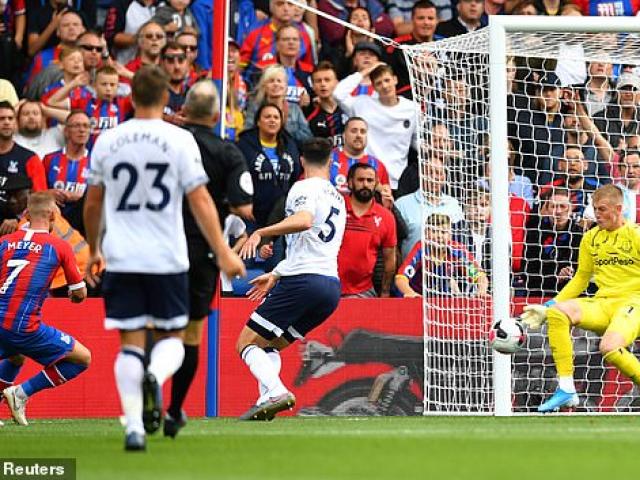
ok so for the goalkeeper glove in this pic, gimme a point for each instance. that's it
(533, 316)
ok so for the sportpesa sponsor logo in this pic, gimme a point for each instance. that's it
(613, 261)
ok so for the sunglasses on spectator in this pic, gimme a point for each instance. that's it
(92, 48)
(189, 48)
(628, 88)
(172, 58)
(154, 36)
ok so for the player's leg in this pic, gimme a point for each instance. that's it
(129, 372)
(126, 311)
(64, 359)
(622, 332)
(9, 370)
(590, 314)
(167, 297)
(203, 279)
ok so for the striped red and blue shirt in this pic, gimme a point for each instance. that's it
(341, 163)
(64, 173)
(29, 260)
(102, 114)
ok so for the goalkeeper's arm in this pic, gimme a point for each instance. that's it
(535, 315)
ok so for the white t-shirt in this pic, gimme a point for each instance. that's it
(392, 130)
(234, 227)
(136, 16)
(146, 167)
(314, 250)
(50, 140)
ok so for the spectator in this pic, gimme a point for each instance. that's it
(151, 41)
(310, 25)
(236, 94)
(579, 129)
(551, 247)
(8, 92)
(526, 7)
(391, 119)
(438, 146)
(537, 132)
(272, 88)
(326, 118)
(69, 26)
(365, 55)
(32, 131)
(273, 160)
(469, 19)
(370, 230)
(598, 89)
(607, 8)
(450, 268)
(494, 7)
(124, 19)
(424, 20)
(93, 48)
(333, 35)
(519, 185)
(175, 17)
(14, 159)
(188, 39)
(629, 183)
(260, 44)
(475, 234)
(13, 24)
(298, 72)
(621, 118)
(72, 65)
(44, 19)
(202, 11)
(360, 17)
(411, 207)
(106, 109)
(553, 8)
(67, 169)
(174, 62)
(353, 151)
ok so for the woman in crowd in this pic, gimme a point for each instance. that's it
(272, 88)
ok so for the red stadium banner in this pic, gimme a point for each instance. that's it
(92, 394)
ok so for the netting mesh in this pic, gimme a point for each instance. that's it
(571, 128)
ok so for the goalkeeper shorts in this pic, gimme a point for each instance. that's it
(620, 315)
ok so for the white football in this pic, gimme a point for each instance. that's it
(507, 336)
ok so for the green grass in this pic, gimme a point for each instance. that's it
(434, 448)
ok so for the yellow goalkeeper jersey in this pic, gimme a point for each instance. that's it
(612, 259)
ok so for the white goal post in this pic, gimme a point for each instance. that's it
(461, 87)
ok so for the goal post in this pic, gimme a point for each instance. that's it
(461, 87)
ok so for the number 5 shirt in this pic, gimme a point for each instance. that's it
(314, 251)
(146, 167)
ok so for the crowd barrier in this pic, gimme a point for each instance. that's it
(361, 342)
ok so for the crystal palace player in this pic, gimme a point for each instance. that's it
(29, 259)
(306, 289)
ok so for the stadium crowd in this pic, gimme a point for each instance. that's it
(66, 72)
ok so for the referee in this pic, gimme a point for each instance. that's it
(231, 188)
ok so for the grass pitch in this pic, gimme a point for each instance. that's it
(539, 448)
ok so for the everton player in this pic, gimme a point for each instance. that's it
(29, 258)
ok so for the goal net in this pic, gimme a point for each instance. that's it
(570, 125)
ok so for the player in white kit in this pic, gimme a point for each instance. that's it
(140, 172)
(306, 289)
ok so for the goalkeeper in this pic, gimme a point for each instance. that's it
(610, 253)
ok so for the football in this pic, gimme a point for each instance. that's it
(507, 336)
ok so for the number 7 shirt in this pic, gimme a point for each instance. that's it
(29, 261)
